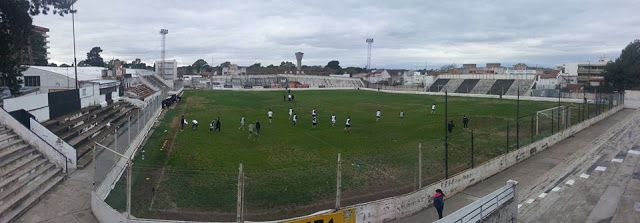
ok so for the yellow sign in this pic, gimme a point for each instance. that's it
(341, 216)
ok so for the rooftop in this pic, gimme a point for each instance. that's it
(84, 73)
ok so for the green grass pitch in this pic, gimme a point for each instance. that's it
(291, 170)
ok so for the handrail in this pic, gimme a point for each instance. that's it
(66, 159)
(484, 206)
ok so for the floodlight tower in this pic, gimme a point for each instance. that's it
(299, 62)
(369, 43)
(163, 33)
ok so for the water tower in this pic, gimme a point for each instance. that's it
(299, 62)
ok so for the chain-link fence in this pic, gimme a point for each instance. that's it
(269, 191)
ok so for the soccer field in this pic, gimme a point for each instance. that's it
(291, 170)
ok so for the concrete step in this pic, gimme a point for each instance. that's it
(5, 153)
(18, 156)
(7, 136)
(8, 179)
(4, 131)
(20, 203)
(19, 162)
(9, 143)
(17, 185)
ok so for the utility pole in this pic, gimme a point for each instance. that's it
(240, 205)
(472, 153)
(338, 183)
(75, 60)
(518, 120)
(446, 135)
(419, 165)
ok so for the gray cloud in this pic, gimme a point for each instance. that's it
(408, 34)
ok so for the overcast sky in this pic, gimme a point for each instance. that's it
(408, 34)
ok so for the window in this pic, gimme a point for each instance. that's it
(32, 81)
(107, 90)
(84, 92)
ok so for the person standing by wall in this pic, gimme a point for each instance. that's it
(438, 202)
(465, 121)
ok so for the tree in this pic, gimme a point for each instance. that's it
(65, 65)
(287, 64)
(16, 30)
(624, 72)
(93, 58)
(334, 66)
(354, 70)
(53, 65)
(225, 64)
(199, 66)
(448, 67)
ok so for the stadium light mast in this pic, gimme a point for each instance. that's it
(164, 33)
(73, 30)
(369, 44)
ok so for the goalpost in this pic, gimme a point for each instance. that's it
(559, 115)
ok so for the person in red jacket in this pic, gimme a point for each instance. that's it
(438, 202)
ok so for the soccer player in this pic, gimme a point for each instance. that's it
(314, 113)
(290, 112)
(218, 125)
(257, 128)
(465, 121)
(290, 97)
(294, 119)
(450, 126)
(333, 120)
(378, 114)
(182, 122)
(347, 125)
(314, 122)
(194, 124)
(241, 123)
(270, 115)
(433, 108)
(401, 114)
(212, 125)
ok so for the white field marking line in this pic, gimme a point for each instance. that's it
(617, 160)
(570, 182)
(555, 189)
(601, 168)
(530, 201)
(585, 176)
(542, 195)
(634, 152)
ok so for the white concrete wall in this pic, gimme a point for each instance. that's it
(632, 99)
(36, 104)
(508, 97)
(36, 142)
(55, 141)
(486, 76)
(90, 96)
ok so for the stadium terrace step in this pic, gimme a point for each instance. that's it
(5, 163)
(25, 175)
(452, 85)
(21, 202)
(467, 85)
(7, 136)
(524, 85)
(500, 87)
(483, 86)
(438, 85)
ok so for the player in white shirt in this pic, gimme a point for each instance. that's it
(347, 125)
(433, 108)
(333, 120)
(290, 112)
(378, 115)
(314, 113)
(401, 114)
(194, 124)
(270, 115)
(294, 119)
(241, 123)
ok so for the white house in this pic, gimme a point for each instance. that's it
(548, 80)
(234, 69)
(413, 78)
(377, 76)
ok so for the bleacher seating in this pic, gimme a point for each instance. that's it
(139, 91)
(483, 86)
(500, 87)
(155, 81)
(467, 85)
(89, 125)
(281, 81)
(438, 85)
(524, 85)
(26, 175)
(451, 85)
